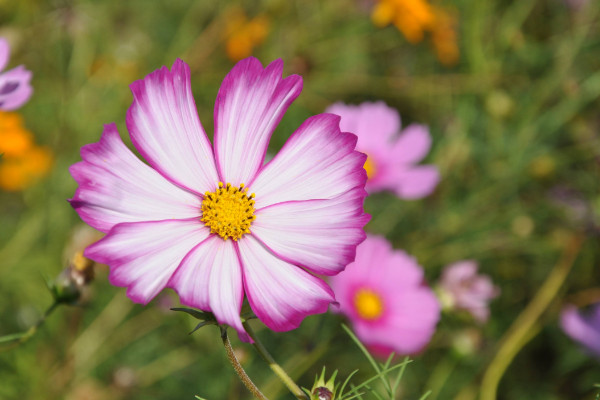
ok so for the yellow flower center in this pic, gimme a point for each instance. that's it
(228, 211)
(369, 304)
(370, 168)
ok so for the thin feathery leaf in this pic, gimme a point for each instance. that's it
(341, 392)
(426, 395)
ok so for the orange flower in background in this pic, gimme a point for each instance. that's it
(21, 162)
(244, 35)
(414, 18)
(444, 38)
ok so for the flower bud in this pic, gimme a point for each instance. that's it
(322, 390)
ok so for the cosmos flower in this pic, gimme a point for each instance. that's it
(384, 296)
(584, 328)
(391, 153)
(219, 226)
(463, 288)
(15, 89)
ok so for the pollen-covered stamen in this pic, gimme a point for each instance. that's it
(228, 211)
(368, 304)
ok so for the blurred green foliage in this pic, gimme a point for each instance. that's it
(516, 138)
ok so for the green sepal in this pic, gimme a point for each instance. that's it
(205, 318)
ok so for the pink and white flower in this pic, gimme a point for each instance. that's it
(462, 288)
(15, 89)
(168, 223)
(392, 153)
(383, 294)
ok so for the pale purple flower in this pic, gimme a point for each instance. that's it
(463, 288)
(392, 153)
(383, 294)
(168, 223)
(584, 327)
(15, 89)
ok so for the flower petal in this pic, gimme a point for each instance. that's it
(320, 235)
(409, 326)
(115, 186)
(164, 127)
(143, 256)
(413, 183)
(581, 328)
(375, 124)
(15, 89)
(250, 104)
(412, 145)
(210, 278)
(280, 294)
(317, 162)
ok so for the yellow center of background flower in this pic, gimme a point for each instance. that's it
(368, 304)
(228, 211)
(370, 168)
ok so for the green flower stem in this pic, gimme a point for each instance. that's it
(238, 367)
(22, 337)
(526, 323)
(276, 368)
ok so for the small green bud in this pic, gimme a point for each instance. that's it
(322, 390)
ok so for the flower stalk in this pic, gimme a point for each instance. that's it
(275, 367)
(22, 337)
(238, 367)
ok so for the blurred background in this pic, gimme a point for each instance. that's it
(510, 91)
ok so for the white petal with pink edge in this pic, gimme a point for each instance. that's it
(164, 126)
(115, 187)
(320, 235)
(143, 256)
(317, 162)
(210, 278)
(250, 104)
(281, 294)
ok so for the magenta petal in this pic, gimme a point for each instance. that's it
(411, 325)
(413, 183)
(320, 235)
(250, 104)
(409, 310)
(412, 145)
(4, 53)
(115, 186)
(281, 294)
(143, 256)
(15, 88)
(210, 278)
(164, 127)
(317, 162)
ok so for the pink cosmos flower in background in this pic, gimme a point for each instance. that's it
(583, 328)
(462, 288)
(168, 224)
(15, 89)
(392, 153)
(383, 294)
